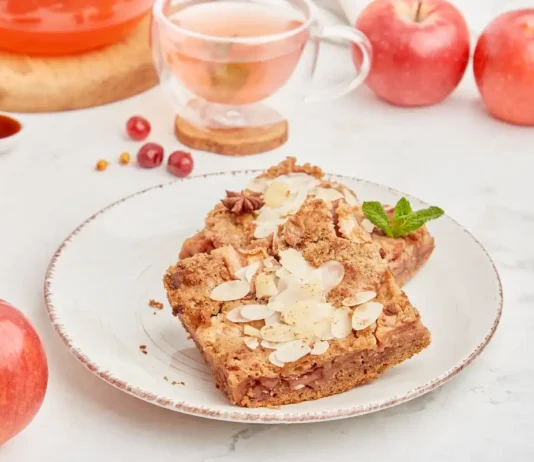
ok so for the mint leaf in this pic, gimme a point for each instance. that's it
(415, 220)
(402, 208)
(376, 214)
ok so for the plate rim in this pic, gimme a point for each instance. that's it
(237, 415)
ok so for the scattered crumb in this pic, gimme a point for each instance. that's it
(177, 383)
(144, 352)
(166, 378)
(143, 349)
(154, 313)
(155, 304)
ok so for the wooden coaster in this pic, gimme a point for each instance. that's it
(44, 84)
(232, 141)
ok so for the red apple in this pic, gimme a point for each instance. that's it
(504, 67)
(420, 50)
(23, 372)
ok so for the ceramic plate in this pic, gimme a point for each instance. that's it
(101, 279)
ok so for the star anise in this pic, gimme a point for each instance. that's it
(242, 202)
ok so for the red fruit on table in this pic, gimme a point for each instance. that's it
(420, 50)
(180, 163)
(504, 67)
(150, 155)
(23, 372)
(137, 128)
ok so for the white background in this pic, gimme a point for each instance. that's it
(452, 155)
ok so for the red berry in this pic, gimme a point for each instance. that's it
(137, 128)
(180, 163)
(150, 155)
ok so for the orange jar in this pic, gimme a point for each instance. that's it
(62, 27)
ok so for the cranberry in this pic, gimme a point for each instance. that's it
(137, 128)
(150, 155)
(180, 163)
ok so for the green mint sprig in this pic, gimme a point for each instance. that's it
(405, 220)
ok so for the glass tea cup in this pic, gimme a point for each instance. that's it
(238, 63)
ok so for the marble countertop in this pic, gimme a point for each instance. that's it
(454, 155)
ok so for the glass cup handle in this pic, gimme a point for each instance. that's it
(362, 42)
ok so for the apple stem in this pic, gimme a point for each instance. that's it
(418, 11)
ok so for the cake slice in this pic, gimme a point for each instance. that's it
(405, 255)
(306, 312)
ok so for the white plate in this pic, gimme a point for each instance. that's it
(100, 281)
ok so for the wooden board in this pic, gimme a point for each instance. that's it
(233, 141)
(45, 84)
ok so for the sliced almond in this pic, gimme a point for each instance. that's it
(247, 272)
(300, 386)
(328, 194)
(282, 272)
(230, 290)
(313, 290)
(255, 312)
(251, 331)
(277, 333)
(293, 204)
(305, 313)
(258, 184)
(359, 298)
(270, 262)
(319, 348)
(350, 197)
(292, 351)
(306, 333)
(251, 342)
(366, 314)
(341, 324)
(235, 315)
(272, 345)
(332, 273)
(275, 306)
(274, 360)
(323, 330)
(276, 194)
(265, 285)
(273, 319)
(299, 181)
(293, 261)
(367, 225)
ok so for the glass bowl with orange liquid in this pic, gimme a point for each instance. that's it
(64, 27)
(236, 63)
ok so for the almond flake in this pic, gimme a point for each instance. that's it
(313, 290)
(304, 313)
(258, 184)
(273, 319)
(300, 386)
(350, 197)
(323, 330)
(332, 273)
(292, 351)
(251, 342)
(277, 333)
(255, 312)
(293, 204)
(230, 290)
(275, 306)
(366, 314)
(235, 315)
(251, 331)
(367, 225)
(328, 194)
(274, 360)
(272, 345)
(299, 181)
(276, 194)
(306, 333)
(341, 325)
(247, 272)
(269, 262)
(319, 348)
(282, 272)
(265, 285)
(359, 298)
(293, 261)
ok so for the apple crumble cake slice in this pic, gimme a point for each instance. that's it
(246, 219)
(308, 313)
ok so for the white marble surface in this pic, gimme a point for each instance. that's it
(453, 155)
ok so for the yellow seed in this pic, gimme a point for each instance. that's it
(101, 165)
(124, 158)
